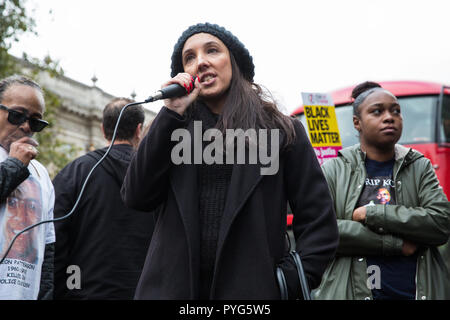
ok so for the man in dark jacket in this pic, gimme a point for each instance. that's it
(100, 249)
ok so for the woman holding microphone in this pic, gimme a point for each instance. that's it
(392, 213)
(220, 232)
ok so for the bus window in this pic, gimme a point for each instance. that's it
(348, 133)
(445, 121)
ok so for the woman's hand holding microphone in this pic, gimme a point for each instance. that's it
(24, 149)
(192, 86)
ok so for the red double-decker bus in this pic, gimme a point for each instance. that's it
(426, 121)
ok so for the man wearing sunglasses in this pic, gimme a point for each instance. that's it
(21, 111)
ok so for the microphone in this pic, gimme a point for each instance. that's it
(171, 91)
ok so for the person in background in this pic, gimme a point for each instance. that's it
(221, 228)
(103, 239)
(391, 211)
(26, 194)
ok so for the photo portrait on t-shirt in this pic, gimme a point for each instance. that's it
(22, 208)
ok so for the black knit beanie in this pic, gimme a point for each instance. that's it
(243, 58)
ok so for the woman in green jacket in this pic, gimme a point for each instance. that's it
(391, 212)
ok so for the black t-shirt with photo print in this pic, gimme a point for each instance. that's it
(397, 273)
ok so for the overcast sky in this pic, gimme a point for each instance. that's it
(297, 46)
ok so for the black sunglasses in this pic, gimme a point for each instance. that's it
(17, 118)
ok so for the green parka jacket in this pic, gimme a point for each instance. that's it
(422, 216)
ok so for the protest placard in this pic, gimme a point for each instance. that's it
(322, 125)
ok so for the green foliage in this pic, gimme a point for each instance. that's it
(14, 21)
(7, 65)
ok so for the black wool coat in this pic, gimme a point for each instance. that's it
(251, 239)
